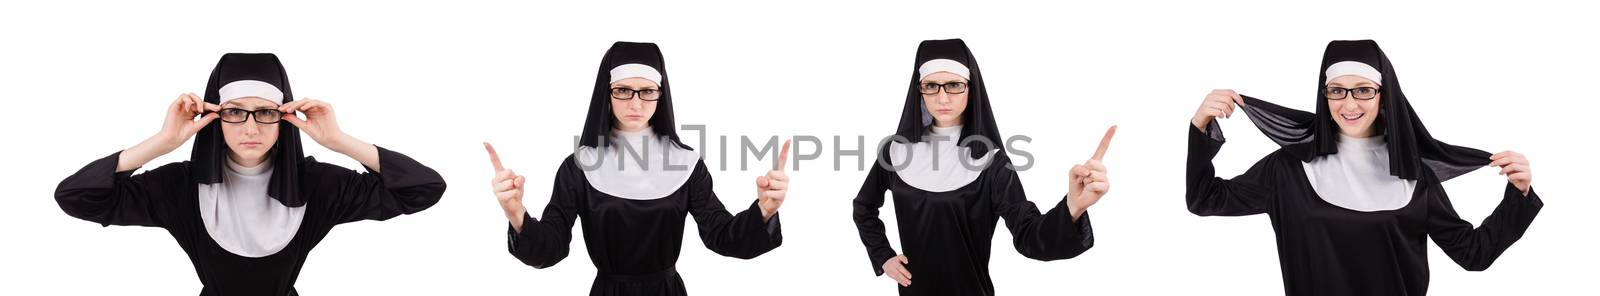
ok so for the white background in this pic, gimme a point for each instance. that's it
(82, 80)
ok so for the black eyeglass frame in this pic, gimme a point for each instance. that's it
(943, 87)
(630, 94)
(259, 114)
(1350, 92)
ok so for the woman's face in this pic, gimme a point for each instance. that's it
(1354, 114)
(945, 107)
(633, 112)
(249, 141)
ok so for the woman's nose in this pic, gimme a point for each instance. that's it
(251, 127)
(1350, 106)
(635, 104)
(942, 98)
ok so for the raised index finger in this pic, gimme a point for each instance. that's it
(1105, 142)
(493, 157)
(783, 156)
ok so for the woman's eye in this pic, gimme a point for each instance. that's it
(647, 92)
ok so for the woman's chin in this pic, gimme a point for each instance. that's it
(249, 154)
(633, 125)
(1343, 128)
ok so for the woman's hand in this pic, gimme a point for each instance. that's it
(1515, 167)
(895, 268)
(320, 122)
(1219, 103)
(180, 125)
(508, 189)
(1088, 181)
(774, 187)
(323, 127)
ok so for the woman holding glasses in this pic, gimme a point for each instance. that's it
(952, 181)
(633, 181)
(248, 207)
(1354, 193)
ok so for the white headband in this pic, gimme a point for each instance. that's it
(942, 65)
(1358, 69)
(626, 71)
(250, 88)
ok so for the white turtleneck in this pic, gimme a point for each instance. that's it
(240, 216)
(664, 168)
(938, 163)
(1357, 177)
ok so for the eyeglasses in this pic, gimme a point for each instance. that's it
(929, 88)
(262, 116)
(1360, 93)
(623, 93)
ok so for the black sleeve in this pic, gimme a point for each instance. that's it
(871, 228)
(1476, 248)
(742, 236)
(1247, 194)
(98, 193)
(1050, 236)
(404, 186)
(543, 243)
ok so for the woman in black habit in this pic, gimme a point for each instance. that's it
(248, 207)
(1354, 192)
(952, 181)
(633, 181)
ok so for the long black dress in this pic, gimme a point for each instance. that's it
(947, 235)
(634, 243)
(1325, 249)
(166, 197)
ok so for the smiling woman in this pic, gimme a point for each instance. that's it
(1355, 192)
(248, 207)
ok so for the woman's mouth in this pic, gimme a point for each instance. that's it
(943, 111)
(250, 144)
(1352, 117)
(634, 117)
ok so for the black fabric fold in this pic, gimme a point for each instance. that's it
(1307, 135)
(210, 151)
(601, 121)
(978, 120)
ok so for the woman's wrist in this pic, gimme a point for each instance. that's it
(345, 144)
(1074, 209)
(514, 216)
(139, 154)
(766, 214)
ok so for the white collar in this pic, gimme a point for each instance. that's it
(264, 167)
(1357, 177)
(951, 132)
(1368, 143)
(939, 163)
(637, 165)
(241, 218)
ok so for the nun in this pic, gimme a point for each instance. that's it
(632, 180)
(1354, 192)
(248, 207)
(952, 181)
